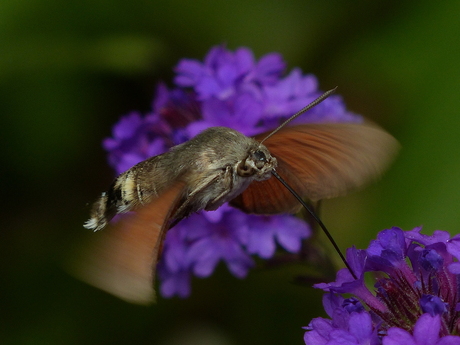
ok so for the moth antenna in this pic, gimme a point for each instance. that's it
(313, 214)
(303, 110)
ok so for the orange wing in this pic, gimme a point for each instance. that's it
(122, 258)
(319, 161)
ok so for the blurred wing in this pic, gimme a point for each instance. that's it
(319, 161)
(122, 258)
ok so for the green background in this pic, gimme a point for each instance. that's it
(69, 69)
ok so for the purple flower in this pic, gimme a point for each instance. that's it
(349, 324)
(215, 241)
(415, 300)
(225, 73)
(232, 89)
(426, 332)
(133, 140)
(265, 231)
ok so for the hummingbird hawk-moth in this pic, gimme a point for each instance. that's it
(221, 165)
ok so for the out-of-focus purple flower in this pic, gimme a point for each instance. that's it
(232, 89)
(265, 231)
(225, 73)
(215, 241)
(133, 140)
(415, 300)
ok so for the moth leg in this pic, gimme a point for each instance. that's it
(228, 186)
(186, 208)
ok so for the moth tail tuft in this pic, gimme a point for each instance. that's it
(98, 219)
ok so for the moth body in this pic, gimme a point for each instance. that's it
(215, 167)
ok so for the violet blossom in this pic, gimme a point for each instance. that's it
(415, 299)
(232, 89)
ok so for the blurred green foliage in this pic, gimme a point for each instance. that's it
(69, 69)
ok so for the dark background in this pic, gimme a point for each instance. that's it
(70, 69)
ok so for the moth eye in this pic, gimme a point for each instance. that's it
(259, 159)
(260, 156)
(244, 170)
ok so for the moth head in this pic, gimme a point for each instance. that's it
(258, 164)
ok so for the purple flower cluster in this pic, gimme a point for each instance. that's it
(229, 89)
(416, 297)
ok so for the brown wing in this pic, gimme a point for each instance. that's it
(122, 259)
(319, 161)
